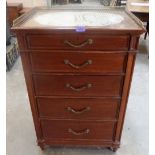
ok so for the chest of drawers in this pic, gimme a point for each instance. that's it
(78, 77)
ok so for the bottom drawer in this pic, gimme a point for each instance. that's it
(73, 129)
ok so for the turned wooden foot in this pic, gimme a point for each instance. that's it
(114, 149)
(42, 145)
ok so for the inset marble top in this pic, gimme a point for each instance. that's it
(109, 18)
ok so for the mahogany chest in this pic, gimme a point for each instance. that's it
(78, 67)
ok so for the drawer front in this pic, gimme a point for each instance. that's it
(78, 108)
(63, 129)
(78, 41)
(78, 62)
(77, 85)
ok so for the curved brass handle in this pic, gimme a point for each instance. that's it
(89, 42)
(88, 62)
(89, 85)
(77, 112)
(77, 133)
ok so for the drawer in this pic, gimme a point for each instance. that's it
(67, 129)
(78, 108)
(78, 62)
(81, 41)
(77, 85)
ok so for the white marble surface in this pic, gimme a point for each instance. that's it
(72, 18)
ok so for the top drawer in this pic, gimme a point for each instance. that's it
(78, 41)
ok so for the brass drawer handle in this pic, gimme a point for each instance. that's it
(77, 112)
(77, 133)
(89, 42)
(88, 62)
(89, 85)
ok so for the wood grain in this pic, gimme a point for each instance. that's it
(100, 62)
(54, 86)
(99, 108)
(59, 128)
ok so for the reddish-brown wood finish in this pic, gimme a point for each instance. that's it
(51, 85)
(78, 102)
(99, 42)
(60, 108)
(100, 62)
(125, 94)
(13, 10)
(59, 129)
